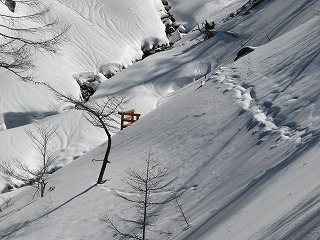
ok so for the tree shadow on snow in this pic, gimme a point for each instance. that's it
(244, 195)
(14, 229)
(300, 223)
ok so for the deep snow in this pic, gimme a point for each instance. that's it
(241, 137)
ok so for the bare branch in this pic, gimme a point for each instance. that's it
(129, 233)
(178, 204)
(19, 41)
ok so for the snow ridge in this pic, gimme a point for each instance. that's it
(263, 117)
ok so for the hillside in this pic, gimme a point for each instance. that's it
(240, 137)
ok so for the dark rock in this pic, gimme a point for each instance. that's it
(244, 51)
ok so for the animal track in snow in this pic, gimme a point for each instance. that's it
(266, 118)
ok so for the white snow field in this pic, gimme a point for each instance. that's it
(241, 138)
(110, 37)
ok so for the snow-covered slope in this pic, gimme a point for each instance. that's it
(98, 36)
(241, 137)
(101, 33)
(192, 13)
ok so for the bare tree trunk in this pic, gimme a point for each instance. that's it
(145, 203)
(106, 157)
(101, 114)
(42, 187)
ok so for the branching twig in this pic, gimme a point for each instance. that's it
(19, 40)
(184, 217)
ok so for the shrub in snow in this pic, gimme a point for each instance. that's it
(207, 29)
(38, 174)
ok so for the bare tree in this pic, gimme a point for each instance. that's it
(46, 157)
(102, 114)
(179, 206)
(21, 35)
(147, 202)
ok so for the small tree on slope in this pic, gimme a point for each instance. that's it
(38, 174)
(101, 114)
(146, 201)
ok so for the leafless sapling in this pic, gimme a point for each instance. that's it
(37, 175)
(100, 113)
(22, 34)
(147, 201)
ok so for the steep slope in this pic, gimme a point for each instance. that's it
(243, 140)
(281, 191)
(150, 82)
(101, 32)
(98, 37)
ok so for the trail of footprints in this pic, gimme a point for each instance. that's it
(266, 119)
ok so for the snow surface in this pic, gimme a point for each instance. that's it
(241, 137)
(113, 36)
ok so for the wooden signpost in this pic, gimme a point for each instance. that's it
(128, 117)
